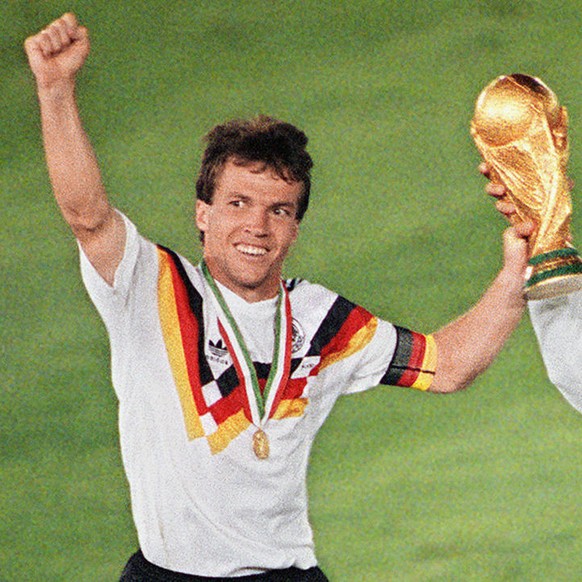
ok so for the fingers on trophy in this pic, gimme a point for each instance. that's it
(522, 133)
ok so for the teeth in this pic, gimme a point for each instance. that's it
(252, 250)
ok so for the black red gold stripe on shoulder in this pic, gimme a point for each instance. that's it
(180, 312)
(191, 306)
(345, 330)
(414, 361)
(179, 326)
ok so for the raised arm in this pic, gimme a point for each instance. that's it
(467, 346)
(55, 56)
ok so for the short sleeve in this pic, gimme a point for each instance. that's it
(395, 356)
(135, 275)
(109, 299)
(413, 362)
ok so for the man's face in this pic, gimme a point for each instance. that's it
(249, 228)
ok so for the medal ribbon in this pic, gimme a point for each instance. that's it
(260, 404)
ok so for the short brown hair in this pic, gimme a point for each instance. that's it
(279, 145)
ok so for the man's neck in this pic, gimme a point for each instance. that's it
(238, 300)
(249, 294)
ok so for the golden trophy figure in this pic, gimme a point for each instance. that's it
(521, 131)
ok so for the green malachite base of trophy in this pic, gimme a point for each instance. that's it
(554, 273)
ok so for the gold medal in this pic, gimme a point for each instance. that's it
(261, 444)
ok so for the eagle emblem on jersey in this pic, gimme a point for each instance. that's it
(298, 337)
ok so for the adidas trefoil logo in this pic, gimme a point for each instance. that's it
(218, 348)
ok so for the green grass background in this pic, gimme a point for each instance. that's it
(482, 485)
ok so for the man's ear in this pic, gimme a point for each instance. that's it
(202, 210)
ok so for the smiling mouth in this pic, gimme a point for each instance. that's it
(251, 250)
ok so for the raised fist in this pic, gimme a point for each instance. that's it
(57, 52)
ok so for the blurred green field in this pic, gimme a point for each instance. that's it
(405, 487)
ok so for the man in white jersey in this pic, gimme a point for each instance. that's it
(557, 322)
(224, 372)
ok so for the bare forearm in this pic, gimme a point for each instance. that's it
(71, 160)
(466, 347)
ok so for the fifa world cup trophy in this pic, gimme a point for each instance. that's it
(521, 131)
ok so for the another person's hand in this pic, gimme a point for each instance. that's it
(498, 191)
(57, 52)
(504, 204)
(515, 238)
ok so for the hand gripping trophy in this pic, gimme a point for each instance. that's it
(521, 131)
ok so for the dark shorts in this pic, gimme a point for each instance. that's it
(138, 569)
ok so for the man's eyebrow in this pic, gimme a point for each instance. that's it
(284, 203)
(292, 205)
(238, 196)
